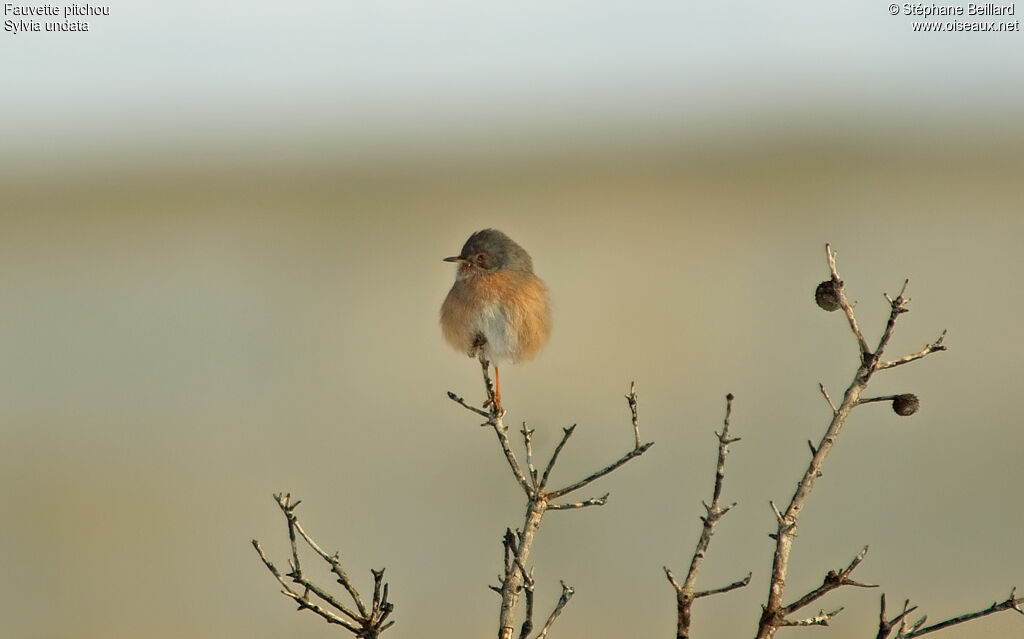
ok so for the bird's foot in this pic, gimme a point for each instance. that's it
(494, 403)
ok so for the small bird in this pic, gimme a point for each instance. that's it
(497, 310)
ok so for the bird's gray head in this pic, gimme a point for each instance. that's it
(492, 250)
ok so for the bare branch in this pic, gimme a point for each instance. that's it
(832, 581)
(528, 445)
(300, 599)
(367, 624)
(672, 579)
(501, 431)
(527, 628)
(820, 619)
(632, 399)
(636, 452)
(845, 304)
(567, 593)
(934, 347)
(733, 586)
(516, 579)
(775, 509)
(897, 307)
(886, 626)
(714, 511)
(330, 559)
(461, 402)
(828, 399)
(566, 434)
(1013, 602)
(594, 501)
(685, 592)
(774, 612)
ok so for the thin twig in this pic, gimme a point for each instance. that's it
(1013, 602)
(897, 307)
(685, 592)
(827, 398)
(633, 454)
(367, 624)
(831, 581)
(733, 586)
(886, 626)
(566, 434)
(567, 593)
(820, 619)
(632, 400)
(461, 402)
(302, 601)
(594, 501)
(506, 446)
(844, 303)
(934, 347)
(528, 445)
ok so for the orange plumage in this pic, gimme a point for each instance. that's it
(509, 309)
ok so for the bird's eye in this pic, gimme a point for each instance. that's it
(479, 258)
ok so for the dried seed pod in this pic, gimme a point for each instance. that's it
(827, 296)
(905, 405)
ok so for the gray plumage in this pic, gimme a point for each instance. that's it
(493, 250)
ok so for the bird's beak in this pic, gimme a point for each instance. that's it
(454, 258)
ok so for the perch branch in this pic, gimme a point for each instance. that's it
(516, 579)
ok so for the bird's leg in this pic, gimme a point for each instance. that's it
(493, 393)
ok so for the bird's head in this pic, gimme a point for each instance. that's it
(490, 250)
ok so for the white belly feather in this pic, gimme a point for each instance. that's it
(492, 324)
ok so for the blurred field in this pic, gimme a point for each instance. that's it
(185, 333)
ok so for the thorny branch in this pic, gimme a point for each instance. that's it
(685, 593)
(515, 578)
(774, 613)
(363, 623)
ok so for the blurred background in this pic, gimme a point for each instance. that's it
(220, 278)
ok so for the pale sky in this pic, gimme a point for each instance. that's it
(160, 71)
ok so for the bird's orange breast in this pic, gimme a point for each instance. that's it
(510, 309)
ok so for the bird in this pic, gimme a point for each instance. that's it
(497, 310)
